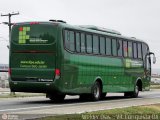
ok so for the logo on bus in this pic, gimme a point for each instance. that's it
(129, 63)
(23, 37)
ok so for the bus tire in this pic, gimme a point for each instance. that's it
(127, 94)
(57, 97)
(103, 95)
(96, 91)
(135, 93)
(84, 97)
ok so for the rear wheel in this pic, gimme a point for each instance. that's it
(57, 97)
(136, 92)
(133, 94)
(127, 94)
(96, 91)
(103, 95)
(84, 97)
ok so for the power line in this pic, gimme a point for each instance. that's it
(9, 15)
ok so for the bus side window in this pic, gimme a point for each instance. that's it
(125, 49)
(139, 50)
(72, 41)
(102, 45)
(77, 42)
(114, 47)
(108, 46)
(67, 45)
(119, 47)
(69, 40)
(95, 44)
(135, 50)
(145, 50)
(130, 50)
(83, 44)
(89, 43)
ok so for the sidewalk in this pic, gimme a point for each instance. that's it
(5, 93)
(4, 90)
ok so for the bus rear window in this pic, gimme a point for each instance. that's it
(33, 34)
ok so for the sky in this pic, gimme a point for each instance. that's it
(133, 18)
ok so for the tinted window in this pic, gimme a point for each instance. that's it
(125, 48)
(130, 49)
(108, 46)
(95, 44)
(41, 34)
(145, 50)
(119, 47)
(139, 50)
(114, 47)
(89, 43)
(72, 45)
(102, 45)
(69, 40)
(83, 42)
(135, 50)
(77, 42)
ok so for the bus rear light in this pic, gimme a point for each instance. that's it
(32, 51)
(9, 71)
(21, 29)
(57, 73)
(32, 23)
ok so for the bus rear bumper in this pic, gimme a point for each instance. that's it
(33, 87)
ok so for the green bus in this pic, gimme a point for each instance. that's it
(60, 59)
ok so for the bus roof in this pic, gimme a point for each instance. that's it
(86, 28)
(98, 30)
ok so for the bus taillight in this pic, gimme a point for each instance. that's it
(57, 73)
(33, 23)
(9, 71)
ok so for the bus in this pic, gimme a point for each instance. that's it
(59, 59)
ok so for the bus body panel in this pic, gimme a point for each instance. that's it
(78, 71)
(33, 57)
(33, 65)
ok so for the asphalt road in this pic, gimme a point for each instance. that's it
(33, 107)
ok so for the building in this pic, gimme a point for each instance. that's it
(4, 76)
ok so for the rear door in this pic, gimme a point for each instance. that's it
(33, 52)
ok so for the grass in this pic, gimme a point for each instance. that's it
(155, 86)
(129, 113)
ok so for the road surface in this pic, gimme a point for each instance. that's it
(33, 107)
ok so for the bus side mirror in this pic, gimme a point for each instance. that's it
(8, 46)
(154, 57)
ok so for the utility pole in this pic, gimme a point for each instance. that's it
(9, 15)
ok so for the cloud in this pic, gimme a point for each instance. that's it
(135, 18)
